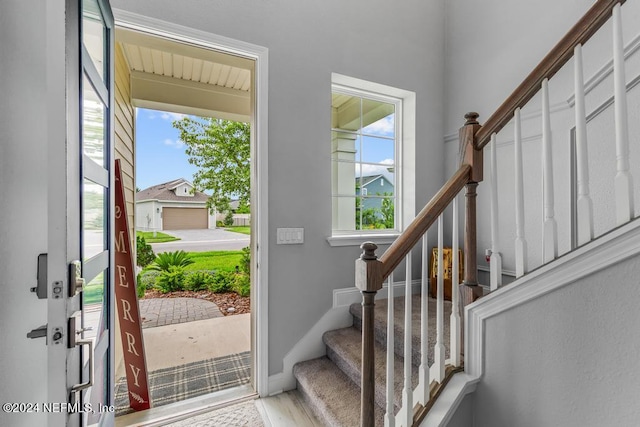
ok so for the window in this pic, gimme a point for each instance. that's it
(370, 137)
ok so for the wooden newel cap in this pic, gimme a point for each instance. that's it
(471, 118)
(368, 251)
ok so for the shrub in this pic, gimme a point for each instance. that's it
(245, 262)
(198, 280)
(141, 287)
(144, 251)
(241, 284)
(171, 280)
(222, 282)
(228, 219)
(165, 260)
(147, 278)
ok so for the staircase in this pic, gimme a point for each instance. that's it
(330, 385)
(349, 386)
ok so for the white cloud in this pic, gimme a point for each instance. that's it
(384, 126)
(369, 170)
(172, 143)
(172, 116)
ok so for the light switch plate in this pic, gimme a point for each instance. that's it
(290, 236)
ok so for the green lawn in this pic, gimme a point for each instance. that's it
(215, 260)
(239, 229)
(159, 238)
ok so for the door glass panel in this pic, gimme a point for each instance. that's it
(93, 321)
(93, 34)
(93, 124)
(93, 216)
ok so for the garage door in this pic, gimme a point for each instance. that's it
(184, 218)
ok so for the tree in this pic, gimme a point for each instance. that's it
(221, 150)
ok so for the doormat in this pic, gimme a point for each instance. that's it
(182, 382)
(240, 415)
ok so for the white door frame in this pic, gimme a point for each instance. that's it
(259, 175)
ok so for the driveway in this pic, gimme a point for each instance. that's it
(202, 241)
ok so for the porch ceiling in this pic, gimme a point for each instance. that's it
(183, 78)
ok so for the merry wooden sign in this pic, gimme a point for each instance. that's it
(127, 306)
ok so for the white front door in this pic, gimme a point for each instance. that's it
(80, 256)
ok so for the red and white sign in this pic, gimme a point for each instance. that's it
(127, 305)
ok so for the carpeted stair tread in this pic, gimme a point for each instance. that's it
(380, 325)
(344, 348)
(332, 396)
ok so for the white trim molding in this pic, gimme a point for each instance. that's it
(259, 177)
(609, 249)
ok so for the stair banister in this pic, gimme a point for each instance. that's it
(586, 27)
(399, 249)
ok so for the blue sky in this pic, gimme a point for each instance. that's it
(160, 155)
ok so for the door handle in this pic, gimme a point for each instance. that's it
(89, 383)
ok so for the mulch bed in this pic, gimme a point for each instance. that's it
(224, 301)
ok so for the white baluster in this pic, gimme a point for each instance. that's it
(389, 416)
(520, 243)
(422, 392)
(584, 204)
(550, 227)
(623, 179)
(406, 419)
(495, 262)
(454, 320)
(438, 353)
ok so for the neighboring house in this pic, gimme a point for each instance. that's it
(371, 186)
(173, 205)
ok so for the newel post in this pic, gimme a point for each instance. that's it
(369, 281)
(469, 290)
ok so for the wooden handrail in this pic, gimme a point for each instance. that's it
(591, 22)
(427, 216)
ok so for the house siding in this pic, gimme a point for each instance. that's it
(125, 135)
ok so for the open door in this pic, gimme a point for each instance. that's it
(80, 311)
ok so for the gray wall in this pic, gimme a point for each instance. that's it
(393, 43)
(575, 365)
(23, 174)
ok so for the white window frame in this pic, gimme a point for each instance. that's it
(404, 162)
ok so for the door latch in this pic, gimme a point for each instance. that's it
(38, 332)
(76, 282)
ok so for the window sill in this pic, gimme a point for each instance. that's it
(358, 239)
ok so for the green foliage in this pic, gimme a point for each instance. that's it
(198, 280)
(165, 260)
(145, 255)
(243, 208)
(171, 280)
(388, 211)
(141, 286)
(147, 278)
(221, 151)
(245, 263)
(228, 219)
(241, 284)
(375, 218)
(222, 282)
